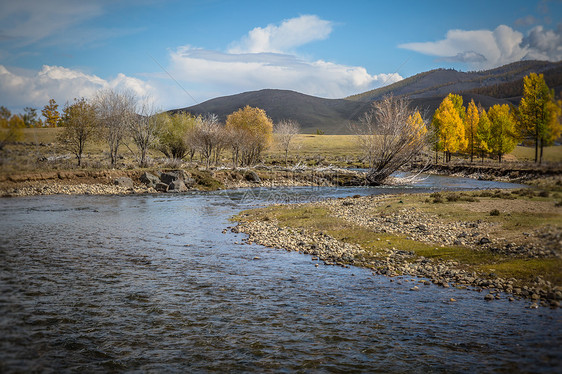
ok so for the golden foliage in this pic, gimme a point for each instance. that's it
(483, 133)
(51, 114)
(450, 126)
(503, 133)
(471, 127)
(255, 128)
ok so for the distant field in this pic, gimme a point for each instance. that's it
(326, 145)
(40, 135)
(550, 154)
(307, 145)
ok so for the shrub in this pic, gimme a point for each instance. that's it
(494, 212)
(544, 193)
(453, 197)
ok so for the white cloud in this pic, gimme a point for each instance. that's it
(251, 71)
(19, 89)
(544, 44)
(483, 49)
(290, 34)
(266, 58)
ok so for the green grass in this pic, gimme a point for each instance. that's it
(318, 219)
(527, 270)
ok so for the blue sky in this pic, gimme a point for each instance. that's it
(185, 52)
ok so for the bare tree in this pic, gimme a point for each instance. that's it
(235, 140)
(391, 135)
(286, 130)
(144, 130)
(207, 136)
(79, 127)
(115, 111)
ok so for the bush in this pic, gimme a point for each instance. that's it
(494, 212)
(437, 200)
(453, 197)
(544, 194)
(503, 195)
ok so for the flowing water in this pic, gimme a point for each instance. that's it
(149, 283)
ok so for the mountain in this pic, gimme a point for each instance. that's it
(312, 113)
(502, 85)
(496, 86)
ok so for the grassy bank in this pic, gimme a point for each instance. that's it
(525, 219)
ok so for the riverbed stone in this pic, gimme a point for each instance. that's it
(161, 187)
(169, 177)
(484, 240)
(125, 182)
(252, 176)
(177, 186)
(149, 179)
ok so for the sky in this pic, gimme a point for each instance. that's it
(181, 53)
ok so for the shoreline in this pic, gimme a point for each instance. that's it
(106, 182)
(403, 245)
(103, 182)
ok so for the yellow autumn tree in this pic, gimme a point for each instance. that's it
(553, 124)
(11, 127)
(253, 131)
(534, 108)
(417, 128)
(482, 136)
(470, 128)
(51, 114)
(449, 127)
(503, 133)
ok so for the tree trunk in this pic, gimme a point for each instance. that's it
(536, 148)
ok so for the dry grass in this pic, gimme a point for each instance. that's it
(550, 154)
(340, 150)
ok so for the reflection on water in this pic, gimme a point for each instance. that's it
(149, 283)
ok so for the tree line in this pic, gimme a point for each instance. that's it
(119, 119)
(475, 131)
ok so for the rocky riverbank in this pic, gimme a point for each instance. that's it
(168, 180)
(526, 173)
(417, 226)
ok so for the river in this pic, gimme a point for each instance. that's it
(149, 283)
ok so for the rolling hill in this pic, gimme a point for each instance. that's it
(312, 113)
(426, 90)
